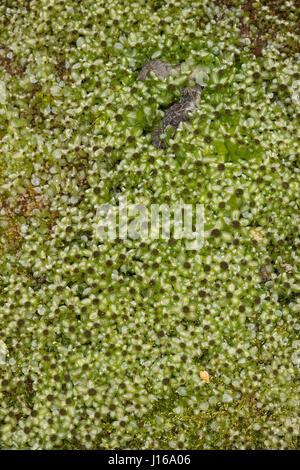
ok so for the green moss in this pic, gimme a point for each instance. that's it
(104, 341)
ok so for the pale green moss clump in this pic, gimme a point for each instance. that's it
(102, 344)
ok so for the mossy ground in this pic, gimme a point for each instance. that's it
(75, 132)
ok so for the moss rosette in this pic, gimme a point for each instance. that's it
(102, 344)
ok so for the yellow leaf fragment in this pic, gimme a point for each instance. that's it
(204, 375)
